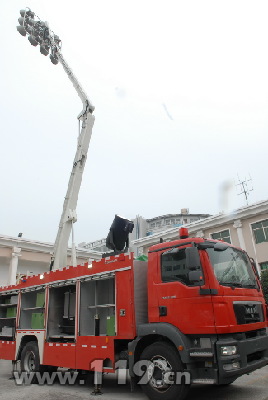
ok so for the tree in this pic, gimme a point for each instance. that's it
(264, 282)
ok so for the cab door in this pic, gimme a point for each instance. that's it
(183, 301)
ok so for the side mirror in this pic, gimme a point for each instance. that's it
(193, 264)
(196, 277)
(192, 258)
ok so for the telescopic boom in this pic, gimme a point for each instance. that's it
(40, 34)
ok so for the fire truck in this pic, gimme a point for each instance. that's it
(193, 313)
(195, 307)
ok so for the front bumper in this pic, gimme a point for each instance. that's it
(252, 353)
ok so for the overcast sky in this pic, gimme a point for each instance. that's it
(181, 96)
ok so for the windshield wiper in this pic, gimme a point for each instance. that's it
(231, 284)
(251, 285)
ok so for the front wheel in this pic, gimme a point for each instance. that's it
(165, 377)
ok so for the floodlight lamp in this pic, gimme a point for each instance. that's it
(54, 59)
(44, 50)
(28, 13)
(33, 40)
(31, 21)
(21, 21)
(45, 33)
(56, 39)
(23, 12)
(21, 30)
(37, 37)
(28, 29)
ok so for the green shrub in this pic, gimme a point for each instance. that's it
(264, 282)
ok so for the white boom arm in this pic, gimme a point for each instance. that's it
(39, 33)
(68, 216)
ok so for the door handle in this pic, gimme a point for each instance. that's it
(162, 311)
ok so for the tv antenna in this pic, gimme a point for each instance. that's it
(245, 187)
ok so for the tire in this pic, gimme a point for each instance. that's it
(163, 358)
(30, 360)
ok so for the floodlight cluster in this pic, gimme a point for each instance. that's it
(39, 34)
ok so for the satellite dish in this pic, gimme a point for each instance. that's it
(117, 238)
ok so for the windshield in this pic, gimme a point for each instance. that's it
(232, 268)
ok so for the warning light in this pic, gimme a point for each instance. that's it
(183, 232)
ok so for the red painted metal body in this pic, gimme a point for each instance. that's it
(85, 349)
(192, 312)
(7, 350)
(196, 314)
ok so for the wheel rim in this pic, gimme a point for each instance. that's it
(29, 362)
(160, 374)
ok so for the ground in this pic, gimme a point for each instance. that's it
(248, 387)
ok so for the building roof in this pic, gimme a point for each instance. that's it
(177, 215)
(220, 219)
(42, 247)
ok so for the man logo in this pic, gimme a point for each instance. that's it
(251, 310)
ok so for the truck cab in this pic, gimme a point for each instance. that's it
(205, 300)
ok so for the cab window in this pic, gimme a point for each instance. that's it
(173, 266)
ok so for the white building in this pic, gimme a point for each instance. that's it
(246, 228)
(19, 256)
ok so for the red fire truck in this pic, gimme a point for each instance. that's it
(195, 307)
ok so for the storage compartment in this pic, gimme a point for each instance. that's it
(97, 307)
(37, 321)
(40, 299)
(32, 310)
(61, 317)
(110, 325)
(7, 331)
(11, 312)
(8, 313)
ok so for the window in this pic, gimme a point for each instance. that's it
(174, 266)
(170, 221)
(260, 230)
(232, 268)
(264, 266)
(223, 235)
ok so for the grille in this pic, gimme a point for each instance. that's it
(248, 313)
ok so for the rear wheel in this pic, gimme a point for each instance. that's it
(162, 380)
(30, 361)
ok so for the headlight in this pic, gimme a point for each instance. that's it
(228, 350)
